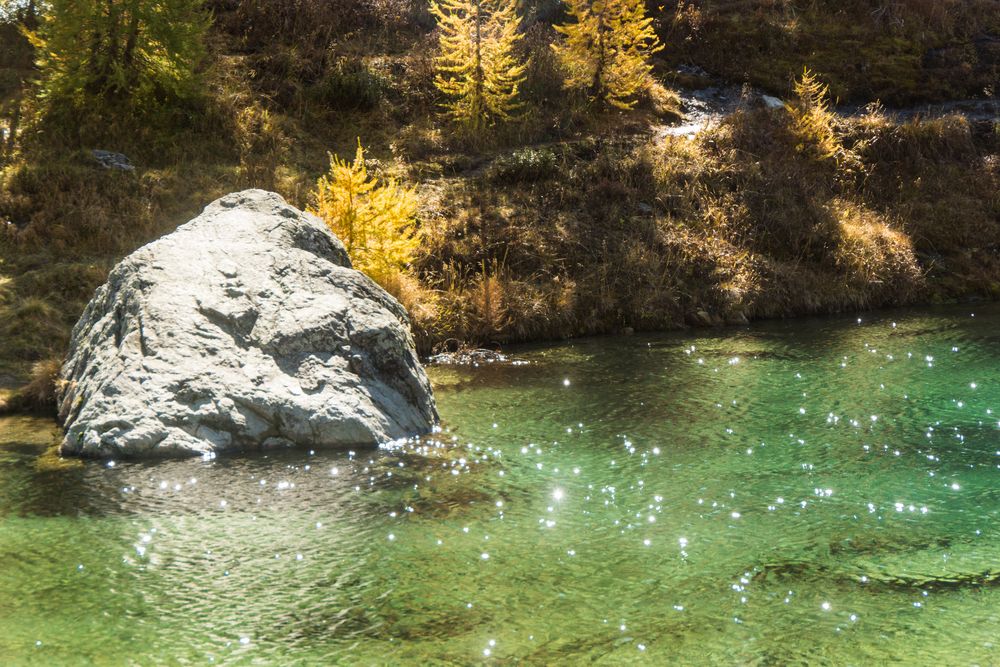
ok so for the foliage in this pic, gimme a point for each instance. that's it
(350, 85)
(812, 119)
(376, 221)
(16, 69)
(606, 49)
(18, 11)
(525, 165)
(117, 50)
(478, 69)
(626, 228)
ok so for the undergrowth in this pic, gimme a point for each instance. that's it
(901, 52)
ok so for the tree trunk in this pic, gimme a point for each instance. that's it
(13, 127)
(103, 83)
(29, 15)
(597, 85)
(128, 55)
(478, 76)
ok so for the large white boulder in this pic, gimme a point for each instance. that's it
(244, 329)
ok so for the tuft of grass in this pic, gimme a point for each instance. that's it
(875, 255)
(524, 165)
(31, 329)
(40, 391)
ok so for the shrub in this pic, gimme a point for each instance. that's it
(350, 85)
(524, 166)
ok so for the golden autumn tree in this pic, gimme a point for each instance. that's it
(812, 119)
(606, 49)
(375, 220)
(478, 69)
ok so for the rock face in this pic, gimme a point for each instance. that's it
(244, 329)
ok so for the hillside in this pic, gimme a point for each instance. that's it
(575, 220)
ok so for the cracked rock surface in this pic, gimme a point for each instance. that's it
(244, 329)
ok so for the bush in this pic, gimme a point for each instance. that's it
(524, 166)
(350, 85)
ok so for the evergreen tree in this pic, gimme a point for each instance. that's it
(375, 221)
(117, 49)
(606, 49)
(477, 68)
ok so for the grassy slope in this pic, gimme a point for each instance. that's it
(603, 224)
(902, 52)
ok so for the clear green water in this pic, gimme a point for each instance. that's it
(814, 492)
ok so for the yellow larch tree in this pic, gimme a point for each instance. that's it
(375, 220)
(812, 119)
(606, 49)
(478, 67)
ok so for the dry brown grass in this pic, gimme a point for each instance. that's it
(736, 223)
(899, 51)
(571, 222)
(39, 393)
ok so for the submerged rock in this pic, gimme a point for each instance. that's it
(246, 328)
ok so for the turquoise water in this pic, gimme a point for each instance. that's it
(806, 492)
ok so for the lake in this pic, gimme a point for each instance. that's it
(820, 491)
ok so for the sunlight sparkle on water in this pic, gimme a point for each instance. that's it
(861, 485)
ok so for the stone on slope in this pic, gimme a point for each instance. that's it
(244, 329)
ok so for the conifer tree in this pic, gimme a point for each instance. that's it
(116, 49)
(606, 49)
(376, 221)
(812, 120)
(478, 69)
